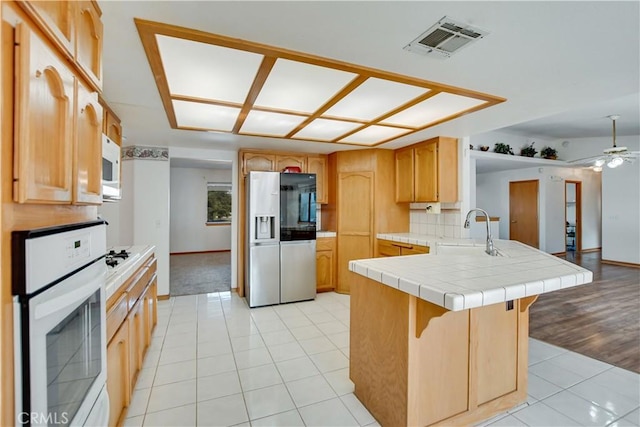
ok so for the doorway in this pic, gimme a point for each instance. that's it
(523, 212)
(573, 215)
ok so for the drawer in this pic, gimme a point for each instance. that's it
(116, 315)
(387, 248)
(325, 244)
(136, 286)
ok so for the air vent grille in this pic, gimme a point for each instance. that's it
(444, 38)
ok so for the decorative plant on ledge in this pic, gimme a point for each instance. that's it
(528, 151)
(549, 153)
(502, 148)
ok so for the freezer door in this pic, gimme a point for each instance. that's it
(264, 275)
(297, 270)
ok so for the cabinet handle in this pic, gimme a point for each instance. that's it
(38, 73)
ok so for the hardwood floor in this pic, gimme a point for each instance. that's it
(600, 320)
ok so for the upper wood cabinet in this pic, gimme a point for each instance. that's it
(428, 171)
(44, 111)
(111, 125)
(58, 151)
(258, 162)
(318, 165)
(282, 161)
(88, 170)
(76, 29)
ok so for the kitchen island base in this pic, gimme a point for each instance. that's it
(416, 363)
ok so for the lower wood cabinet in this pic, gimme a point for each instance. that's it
(131, 317)
(391, 248)
(325, 264)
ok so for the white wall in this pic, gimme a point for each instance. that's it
(492, 194)
(189, 231)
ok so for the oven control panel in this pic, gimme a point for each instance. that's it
(77, 248)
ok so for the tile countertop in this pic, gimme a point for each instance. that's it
(459, 282)
(422, 239)
(320, 234)
(116, 276)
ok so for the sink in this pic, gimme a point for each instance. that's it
(462, 250)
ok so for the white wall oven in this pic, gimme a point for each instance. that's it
(60, 325)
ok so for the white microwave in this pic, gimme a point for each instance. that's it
(110, 169)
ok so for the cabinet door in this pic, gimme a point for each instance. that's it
(112, 127)
(57, 18)
(355, 222)
(318, 165)
(136, 342)
(404, 175)
(324, 271)
(283, 161)
(43, 132)
(118, 377)
(426, 173)
(88, 149)
(258, 162)
(89, 40)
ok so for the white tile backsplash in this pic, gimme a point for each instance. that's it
(445, 224)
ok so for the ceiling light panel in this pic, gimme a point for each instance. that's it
(374, 98)
(326, 130)
(374, 134)
(205, 116)
(297, 86)
(207, 71)
(433, 109)
(274, 124)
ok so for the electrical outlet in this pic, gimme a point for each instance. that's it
(433, 208)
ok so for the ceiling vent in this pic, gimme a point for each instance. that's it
(445, 38)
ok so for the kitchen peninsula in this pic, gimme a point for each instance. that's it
(443, 338)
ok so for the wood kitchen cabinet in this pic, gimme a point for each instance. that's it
(258, 162)
(88, 48)
(325, 264)
(282, 161)
(58, 148)
(118, 378)
(391, 248)
(318, 165)
(428, 171)
(111, 125)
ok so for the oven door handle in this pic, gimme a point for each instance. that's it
(93, 281)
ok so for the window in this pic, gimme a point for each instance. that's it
(218, 203)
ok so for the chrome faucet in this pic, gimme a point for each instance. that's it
(490, 249)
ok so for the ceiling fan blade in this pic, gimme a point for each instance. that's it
(586, 159)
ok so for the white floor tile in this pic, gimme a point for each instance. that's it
(539, 351)
(246, 343)
(252, 357)
(540, 388)
(172, 395)
(579, 409)
(606, 395)
(332, 327)
(284, 419)
(215, 386)
(288, 311)
(177, 354)
(134, 421)
(259, 377)
(139, 402)
(357, 409)
(268, 401)
(328, 413)
(145, 378)
(330, 361)
(340, 339)
(621, 381)
(288, 351)
(339, 381)
(295, 369)
(177, 319)
(541, 415)
(277, 338)
(224, 411)
(322, 317)
(213, 348)
(317, 345)
(633, 417)
(151, 359)
(271, 326)
(508, 421)
(215, 365)
(175, 372)
(555, 374)
(310, 390)
(180, 416)
(581, 365)
(306, 332)
(181, 340)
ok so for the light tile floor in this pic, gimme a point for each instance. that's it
(215, 362)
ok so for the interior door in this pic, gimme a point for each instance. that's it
(573, 215)
(523, 212)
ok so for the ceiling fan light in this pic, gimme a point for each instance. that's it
(615, 162)
(597, 168)
(599, 163)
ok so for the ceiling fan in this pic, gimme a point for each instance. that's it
(612, 157)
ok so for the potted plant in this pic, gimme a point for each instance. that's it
(549, 153)
(502, 148)
(528, 151)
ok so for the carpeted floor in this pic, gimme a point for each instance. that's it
(192, 274)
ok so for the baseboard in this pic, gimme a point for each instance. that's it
(234, 290)
(163, 297)
(199, 252)
(559, 254)
(621, 264)
(586, 251)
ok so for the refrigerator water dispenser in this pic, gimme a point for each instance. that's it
(265, 227)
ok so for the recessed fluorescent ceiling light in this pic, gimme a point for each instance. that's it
(202, 70)
(326, 130)
(373, 134)
(296, 86)
(433, 109)
(274, 124)
(373, 98)
(205, 116)
(218, 83)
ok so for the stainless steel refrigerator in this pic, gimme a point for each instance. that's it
(280, 254)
